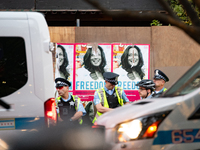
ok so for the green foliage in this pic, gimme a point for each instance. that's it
(156, 23)
(179, 11)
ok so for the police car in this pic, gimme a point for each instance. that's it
(26, 74)
(169, 122)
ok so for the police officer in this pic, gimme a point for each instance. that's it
(110, 96)
(69, 107)
(159, 79)
(146, 87)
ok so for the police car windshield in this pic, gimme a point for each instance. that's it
(189, 82)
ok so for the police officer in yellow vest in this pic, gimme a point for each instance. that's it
(69, 107)
(159, 79)
(110, 96)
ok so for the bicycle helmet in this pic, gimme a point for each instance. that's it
(148, 84)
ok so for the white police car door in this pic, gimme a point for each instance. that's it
(181, 129)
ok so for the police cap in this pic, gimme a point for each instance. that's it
(111, 77)
(160, 75)
(62, 82)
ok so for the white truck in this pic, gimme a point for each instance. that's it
(26, 74)
(171, 122)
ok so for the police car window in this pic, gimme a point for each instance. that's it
(195, 114)
(13, 65)
(189, 82)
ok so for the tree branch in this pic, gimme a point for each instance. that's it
(197, 3)
(96, 5)
(192, 31)
(165, 5)
(190, 12)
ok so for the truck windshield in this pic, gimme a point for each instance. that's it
(189, 82)
(13, 65)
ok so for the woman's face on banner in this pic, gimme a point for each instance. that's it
(133, 57)
(60, 56)
(96, 57)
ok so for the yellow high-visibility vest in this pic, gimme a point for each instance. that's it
(103, 100)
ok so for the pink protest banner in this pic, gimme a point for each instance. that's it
(87, 63)
(90, 65)
(132, 63)
(65, 62)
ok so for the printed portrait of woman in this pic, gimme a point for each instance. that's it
(132, 62)
(62, 62)
(94, 62)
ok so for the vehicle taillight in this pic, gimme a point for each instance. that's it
(50, 112)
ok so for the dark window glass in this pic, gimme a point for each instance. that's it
(13, 66)
(189, 82)
(195, 114)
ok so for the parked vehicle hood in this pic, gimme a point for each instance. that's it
(137, 109)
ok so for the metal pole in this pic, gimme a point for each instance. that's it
(78, 22)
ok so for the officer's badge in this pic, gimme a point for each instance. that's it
(71, 103)
(116, 80)
(114, 95)
(157, 72)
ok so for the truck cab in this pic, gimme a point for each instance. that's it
(26, 73)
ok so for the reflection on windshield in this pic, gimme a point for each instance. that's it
(189, 82)
(191, 86)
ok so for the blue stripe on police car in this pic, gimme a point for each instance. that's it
(177, 136)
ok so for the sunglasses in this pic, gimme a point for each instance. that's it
(59, 87)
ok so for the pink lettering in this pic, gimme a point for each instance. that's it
(197, 135)
(177, 138)
(188, 138)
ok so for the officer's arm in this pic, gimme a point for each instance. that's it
(81, 112)
(125, 99)
(81, 108)
(102, 109)
(98, 105)
(77, 115)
